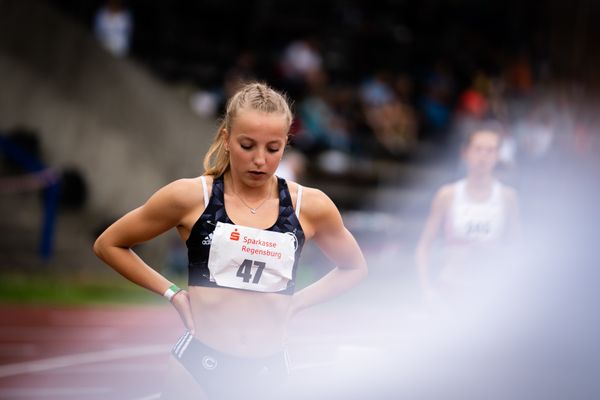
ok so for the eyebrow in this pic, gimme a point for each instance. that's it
(242, 136)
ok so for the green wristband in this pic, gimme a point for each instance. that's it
(171, 291)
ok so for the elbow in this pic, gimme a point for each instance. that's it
(104, 247)
(101, 247)
(98, 247)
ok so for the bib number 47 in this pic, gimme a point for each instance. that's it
(245, 271)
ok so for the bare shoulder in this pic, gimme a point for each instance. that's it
(316, 202)
(443, 197)
(318, 212)
(311, 197)
(182, 194)
(446, 190)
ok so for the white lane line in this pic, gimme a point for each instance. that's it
(121, 353)
(149, 397)
(112, 368)
(81, 358)
(28, 393)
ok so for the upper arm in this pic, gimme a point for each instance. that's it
(436, 216)
(164, 210)
(329, 232)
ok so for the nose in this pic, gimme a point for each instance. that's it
(259, 158)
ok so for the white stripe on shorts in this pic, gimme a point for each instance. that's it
(186, 343)
(180, 342)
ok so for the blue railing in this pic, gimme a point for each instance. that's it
(50, 183)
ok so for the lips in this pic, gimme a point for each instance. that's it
(257, 175)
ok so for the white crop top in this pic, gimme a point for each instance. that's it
(470, 221)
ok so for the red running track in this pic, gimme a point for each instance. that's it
(120, 352)
(84, 353)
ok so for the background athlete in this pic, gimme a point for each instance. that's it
(477, 216)
(239, 299)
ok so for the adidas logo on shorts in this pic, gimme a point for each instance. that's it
(207, 240)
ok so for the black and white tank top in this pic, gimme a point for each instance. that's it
(223, 254)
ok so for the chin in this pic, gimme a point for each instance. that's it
(481, 172)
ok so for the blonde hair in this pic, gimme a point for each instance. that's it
(251, 96)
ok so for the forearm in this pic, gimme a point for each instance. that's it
(132, 267)
(422, 261)
(336, 282)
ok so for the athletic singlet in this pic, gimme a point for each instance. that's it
(242, 257)
(470, 222)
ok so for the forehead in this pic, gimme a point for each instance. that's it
(484, 138)
(257, 123)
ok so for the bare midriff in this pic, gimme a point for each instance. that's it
(238, 322)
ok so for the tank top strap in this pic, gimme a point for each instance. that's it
(460, 191)
(298, 200)
(205, 190)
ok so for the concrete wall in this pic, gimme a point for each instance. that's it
(127, 132)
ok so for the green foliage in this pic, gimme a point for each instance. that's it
(36, 289)
(39, 288)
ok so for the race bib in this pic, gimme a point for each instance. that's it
(479, 224)
(253, 259)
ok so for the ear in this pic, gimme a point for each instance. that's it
(225, 136)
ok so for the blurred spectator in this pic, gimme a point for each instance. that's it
(301, 59)
(535, 134)
(243, 71)
(471, 110)
(210, 102)
(321, 127)
(520, 75)
(205, 103)
(375, 90)
(435, 104)
(113, 26)
(301, 65)
(74, 189)
(392, 122)
(344, 100)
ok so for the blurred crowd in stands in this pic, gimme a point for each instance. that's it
(368, 81)
(388, 113)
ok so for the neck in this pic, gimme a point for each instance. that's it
(479, 182)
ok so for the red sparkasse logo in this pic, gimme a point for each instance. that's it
(235, 235)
